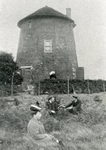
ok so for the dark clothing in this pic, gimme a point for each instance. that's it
(53, 76)
(52, 105)
(76, 106)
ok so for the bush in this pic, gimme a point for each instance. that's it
(80, 86)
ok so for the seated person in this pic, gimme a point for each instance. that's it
(36, 132)
(75, 106)
(52, 105)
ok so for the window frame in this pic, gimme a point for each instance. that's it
(48, 47)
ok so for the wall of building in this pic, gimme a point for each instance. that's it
(80, 73)
(31, 47)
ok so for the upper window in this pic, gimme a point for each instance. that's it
(47, 46)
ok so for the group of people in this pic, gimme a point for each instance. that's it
(36, 132)
(53, 105)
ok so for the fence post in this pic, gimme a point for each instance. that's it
(12, 84)
(103, 86)
(2, 88)
(68, 85)
(39, 88)
(88, 86)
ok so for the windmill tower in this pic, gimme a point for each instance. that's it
(47, 43)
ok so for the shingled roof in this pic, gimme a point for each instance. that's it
(44, 13)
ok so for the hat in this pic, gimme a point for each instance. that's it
(49, 97)
(75, 96)
(52, 72)
(35, 108)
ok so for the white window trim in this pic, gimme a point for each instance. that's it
(50, 47)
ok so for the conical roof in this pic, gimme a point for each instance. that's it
(44, 13)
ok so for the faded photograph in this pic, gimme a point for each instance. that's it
(52, 75)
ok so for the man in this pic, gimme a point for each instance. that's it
(36, 132)
(75, 106)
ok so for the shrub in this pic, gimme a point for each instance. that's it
(80, 86)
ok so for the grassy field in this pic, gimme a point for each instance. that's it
(85, 131)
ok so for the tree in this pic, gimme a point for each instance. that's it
(8, 67)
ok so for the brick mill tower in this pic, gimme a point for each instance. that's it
(47, 44)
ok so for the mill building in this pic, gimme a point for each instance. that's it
(47, 44)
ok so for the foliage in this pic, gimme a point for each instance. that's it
(7, 67)
(5, 90)
(60, 86)
(18, 79)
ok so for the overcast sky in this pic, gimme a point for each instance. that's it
(90, 30)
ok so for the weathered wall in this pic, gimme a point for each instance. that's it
(31, 47)
(80, 73)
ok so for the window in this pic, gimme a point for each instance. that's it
(47, 46)
(30, 23)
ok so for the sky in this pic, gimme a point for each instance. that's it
(89, 33)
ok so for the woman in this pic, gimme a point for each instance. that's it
(52, 105)
(36, 132)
